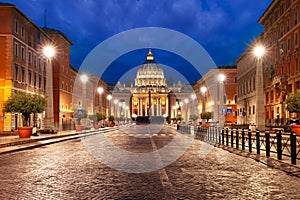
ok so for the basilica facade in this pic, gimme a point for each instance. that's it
(150, 97)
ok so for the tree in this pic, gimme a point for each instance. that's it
(100, 116)
(206, 115)
(293, 102)
(194, 117)
(79, 114)
(25, 103)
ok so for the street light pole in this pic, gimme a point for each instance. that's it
(109, 97)
(260, 119)
(84, 79)
(100, 91)
(203, 92)
(221, 79)
(49, 52)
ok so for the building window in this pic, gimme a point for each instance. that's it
(44, 67)
(62, 68)
(44, 83)
(296, 17)
(249, 110)
(62, 107)
(62, 85)
(267, 97)
(296, 39)
(40, 81)
(16, 72)
(288, 44)
(29, 77)
(288, 25)
(23, 75)
(34, 80)
(16, 49)
(297, 64)
(22, 31)
(253, 109)
(22, 53)
(16, 26)
(29, 56)
(71, 88)
(34, 60)
(67, 86)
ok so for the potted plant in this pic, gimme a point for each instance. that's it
(79, 114)
(111, 119)
(26, 104)
(100, 117)
(293, 106)
(207, 116)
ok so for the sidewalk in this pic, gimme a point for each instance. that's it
(12, 143)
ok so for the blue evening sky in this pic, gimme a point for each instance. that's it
(223, 27)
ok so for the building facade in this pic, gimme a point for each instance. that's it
(150, 97)
(22, 64)
(220, 94)
(281, 37)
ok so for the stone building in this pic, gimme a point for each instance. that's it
(150, 97)
(281, 37)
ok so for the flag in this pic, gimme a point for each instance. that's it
(272, 72)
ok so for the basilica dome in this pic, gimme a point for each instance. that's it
(150, 73)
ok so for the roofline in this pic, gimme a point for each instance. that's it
(26, 17)
(59, 32)
(266, 11)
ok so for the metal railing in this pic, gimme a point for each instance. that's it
(271, 142)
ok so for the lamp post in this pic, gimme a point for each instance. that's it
(203, 90)
(186, 101)
(259, 51)
(109, 97)
(193, 97)
(100, 91)
(221, 78)
(49, 53)
(84, 79)
(116, 101)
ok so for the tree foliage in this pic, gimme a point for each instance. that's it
(293, 102)
(100, 116)
(194, 117)
(206, 115)
(25, 103)
(80, 114)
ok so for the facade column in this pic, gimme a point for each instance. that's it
(146, 108)
(167, 106)
(159, 107)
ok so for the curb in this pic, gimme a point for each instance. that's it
(34, 143)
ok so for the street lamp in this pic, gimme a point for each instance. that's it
(49, 53)
(116, 101)
(259, 52)
(221, 79)
(186, 101)
(109, 97)
(203, 90)
(100, 91)
(193, 97)
(84, 79)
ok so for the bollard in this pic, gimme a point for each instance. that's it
(237, 138)
(279, 145)
(243, 139)
(231, 137)
(223, 136)
(293, 148)
(227, 137)
(249, 141)
(268, 149)
(257, 142)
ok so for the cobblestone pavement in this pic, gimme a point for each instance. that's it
(67, 170)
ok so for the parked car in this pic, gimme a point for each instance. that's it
(286, 126)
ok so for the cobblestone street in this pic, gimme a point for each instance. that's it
(68, 170)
